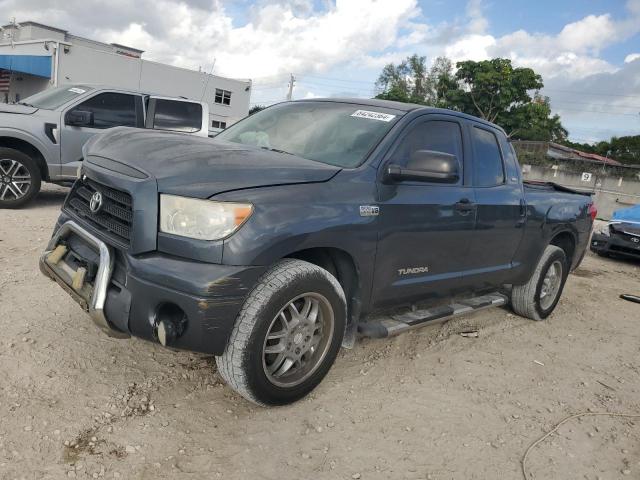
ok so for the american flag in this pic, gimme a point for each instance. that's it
(5, 80)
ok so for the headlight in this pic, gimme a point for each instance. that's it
(201, 219)
(604, 231)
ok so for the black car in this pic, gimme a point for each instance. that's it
(271, 244)
(617, 238)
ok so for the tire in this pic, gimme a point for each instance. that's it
(20, 178)
(534, 299)
(260, 368)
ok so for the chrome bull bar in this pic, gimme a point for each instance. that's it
(92, 298)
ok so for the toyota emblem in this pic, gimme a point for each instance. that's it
(635, 240)
(96, 202)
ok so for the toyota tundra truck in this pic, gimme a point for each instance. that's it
(41, 137)
(306, 226)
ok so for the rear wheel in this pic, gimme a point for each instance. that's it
(537, 298)
(286, 336)
(20, 178)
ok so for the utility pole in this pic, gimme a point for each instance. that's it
(292, 81)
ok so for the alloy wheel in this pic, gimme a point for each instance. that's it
(298, 340)
(551, 285)
(15, 179)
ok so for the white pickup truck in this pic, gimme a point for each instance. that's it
(41, 137)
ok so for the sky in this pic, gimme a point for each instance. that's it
(587, 51)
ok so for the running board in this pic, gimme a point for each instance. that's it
(397, 324)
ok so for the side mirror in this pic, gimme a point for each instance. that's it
(79, 118)
(426, 166)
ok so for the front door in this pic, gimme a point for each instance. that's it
(424, 228)
(109, 109)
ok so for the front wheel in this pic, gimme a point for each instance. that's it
(287, 335)
(20, 178)
(537, 298)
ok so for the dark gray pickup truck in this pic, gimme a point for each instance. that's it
(272, 245)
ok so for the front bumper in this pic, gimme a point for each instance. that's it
(124, 294)
(606, 245)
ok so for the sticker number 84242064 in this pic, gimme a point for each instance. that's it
(382, 117)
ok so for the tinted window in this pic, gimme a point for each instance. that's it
(336, 133)
(487, 161)
(177, 116)
(111, 110)
(435, 135)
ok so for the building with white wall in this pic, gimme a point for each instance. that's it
(34, 57)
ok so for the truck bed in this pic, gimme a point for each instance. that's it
(552, 186)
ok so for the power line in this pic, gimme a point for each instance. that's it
(368, 82)
(594, 104)
(590, 93)
(598, 112)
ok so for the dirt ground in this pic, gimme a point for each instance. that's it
(429, 404)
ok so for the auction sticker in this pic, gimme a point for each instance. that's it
(382, 117)
(77, 90)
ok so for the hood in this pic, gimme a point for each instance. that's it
(15, 108)
(627, 215)
(201, 167)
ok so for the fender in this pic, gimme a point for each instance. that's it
(50, 153)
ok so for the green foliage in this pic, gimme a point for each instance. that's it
(490, 89)
(624, 149)
(411, 82)
(533, 121)
(256, 109)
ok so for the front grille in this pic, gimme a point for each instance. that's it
(115, 218)
(625, 236)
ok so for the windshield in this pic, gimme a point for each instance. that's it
(339, 134)
(55, 97)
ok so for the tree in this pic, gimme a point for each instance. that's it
(411, 82)
(624, 149)
(256, 109)
(406, 82)
(533, 121)
(490, 89)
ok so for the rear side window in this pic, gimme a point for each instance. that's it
(177, 116)
(488, 170)
(111, 110)
(436, 135)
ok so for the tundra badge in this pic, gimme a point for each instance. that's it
(369, 210)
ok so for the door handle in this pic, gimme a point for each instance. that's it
(464, 206)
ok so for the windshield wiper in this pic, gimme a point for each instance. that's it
(277, 150)
(26, 104)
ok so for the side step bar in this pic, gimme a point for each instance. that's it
(397, 324)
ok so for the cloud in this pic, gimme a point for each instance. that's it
(631, 57)
(272, 38)
(279, 37)
(477, 21)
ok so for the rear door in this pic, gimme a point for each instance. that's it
(500, 210)
(176, 115)
(424, 228)
(109, 109)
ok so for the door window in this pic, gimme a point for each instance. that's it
(177, 116)
(111, 110)
(488, 170)
(436, 135)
